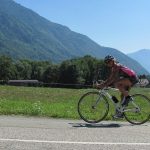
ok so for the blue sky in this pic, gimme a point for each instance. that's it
(120, 24)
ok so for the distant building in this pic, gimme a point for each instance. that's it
(23, 82)
(143, 82)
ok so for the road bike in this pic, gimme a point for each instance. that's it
(93, 107)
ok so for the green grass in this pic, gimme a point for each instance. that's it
(47, 102)
(36, 101)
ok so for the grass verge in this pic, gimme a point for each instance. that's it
(47, 102)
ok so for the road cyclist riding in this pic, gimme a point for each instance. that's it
(93, 106)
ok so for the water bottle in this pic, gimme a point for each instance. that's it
(115, 99)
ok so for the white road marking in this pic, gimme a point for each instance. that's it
(72, 142)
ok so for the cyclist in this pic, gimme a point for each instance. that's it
(122, 77)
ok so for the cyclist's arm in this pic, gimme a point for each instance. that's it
(113, 76)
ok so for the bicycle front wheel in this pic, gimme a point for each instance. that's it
(93, 107)
(138, 110)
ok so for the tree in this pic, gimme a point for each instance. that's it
(51, 74)
(88, 68)
(38, 69)
(68, 73)
(8, 70)
(24, 69)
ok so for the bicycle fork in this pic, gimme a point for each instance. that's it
(97, 101)
(101, 94)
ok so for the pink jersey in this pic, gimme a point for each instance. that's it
(127, 71)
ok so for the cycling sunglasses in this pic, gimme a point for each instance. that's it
(107, 62)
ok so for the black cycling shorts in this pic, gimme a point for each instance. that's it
(133, 79)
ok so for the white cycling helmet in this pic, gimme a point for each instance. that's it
(108, 58)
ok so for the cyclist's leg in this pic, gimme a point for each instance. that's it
(124, 86)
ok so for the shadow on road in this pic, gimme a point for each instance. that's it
(87, 125)
(102, 125)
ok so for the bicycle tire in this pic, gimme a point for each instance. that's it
(90, 114)
(143, 103)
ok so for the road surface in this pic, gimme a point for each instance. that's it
(29, 133)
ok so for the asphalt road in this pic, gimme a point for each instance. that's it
(28, 133)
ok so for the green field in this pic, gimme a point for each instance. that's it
(46, 102)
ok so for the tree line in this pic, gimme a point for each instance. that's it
(81, 70)
(74, 71)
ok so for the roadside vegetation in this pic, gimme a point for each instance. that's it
(46, 102)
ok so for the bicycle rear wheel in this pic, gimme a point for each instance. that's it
(138, 110)
(93, 107)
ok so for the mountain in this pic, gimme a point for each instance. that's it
(25, 34)
(142, 56)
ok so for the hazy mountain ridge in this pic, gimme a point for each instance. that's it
(25, 34)
(142, 56)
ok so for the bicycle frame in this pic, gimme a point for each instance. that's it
(116, 105)
(105, 93)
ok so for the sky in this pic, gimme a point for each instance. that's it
(120, 24)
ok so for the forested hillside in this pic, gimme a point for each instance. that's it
(142, 56)
(26, 35)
